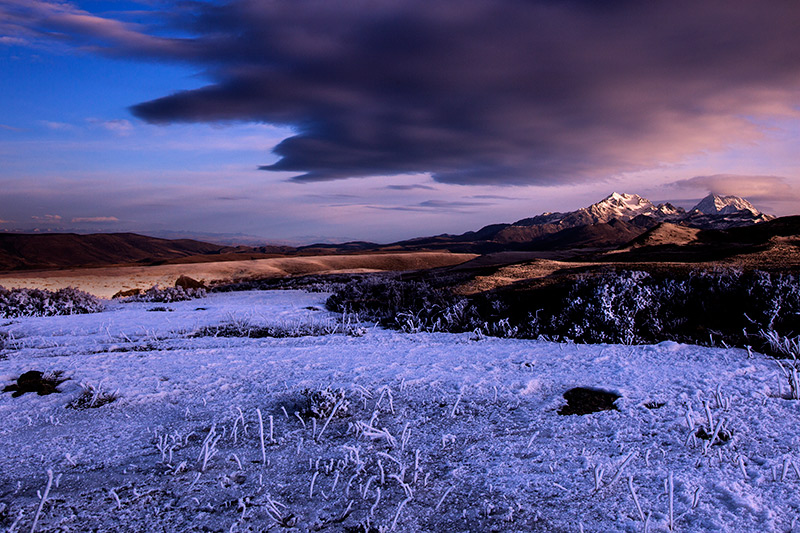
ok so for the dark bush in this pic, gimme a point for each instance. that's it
(411, 306)
(707, 307)
(41, 302)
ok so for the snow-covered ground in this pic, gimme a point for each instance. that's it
(440, 432)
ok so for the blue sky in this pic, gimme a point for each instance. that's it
(155, 116)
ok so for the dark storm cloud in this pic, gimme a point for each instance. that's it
(473, 91)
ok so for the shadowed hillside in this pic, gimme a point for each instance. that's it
(60, 250)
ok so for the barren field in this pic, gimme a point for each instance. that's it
(160, 424)
(105, 282)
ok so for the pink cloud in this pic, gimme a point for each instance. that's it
(94, 219)
(47, 218)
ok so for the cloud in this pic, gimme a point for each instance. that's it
(47, 218)
(494, 197)
(332, 196)
(410, 187)
(118, 126)
(442, 204)
(760, 188)
(43, 23)
(57, 126)
(9, 128)
(435, 206)
(503, 92)
(94, 220)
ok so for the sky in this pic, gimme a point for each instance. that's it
(304, 121)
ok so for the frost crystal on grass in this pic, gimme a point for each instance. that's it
(92, 396)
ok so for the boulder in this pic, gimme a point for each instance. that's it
(185, 282)
(127, 293)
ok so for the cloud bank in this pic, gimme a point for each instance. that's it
(504, 92)
(759, 188)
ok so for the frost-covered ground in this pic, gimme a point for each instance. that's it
(440, 432)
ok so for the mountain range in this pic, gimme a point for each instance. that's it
(625, 224)
(613, 221)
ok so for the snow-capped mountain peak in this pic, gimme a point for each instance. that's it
(627, 206)
(714, 204)
(713, 212)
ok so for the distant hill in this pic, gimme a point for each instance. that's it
(665, 234)
(775, 242)
(60, 250)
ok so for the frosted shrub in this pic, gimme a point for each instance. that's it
(702, 307)
(92, 397)
(777, 299)
(619, 308)
(708, 307)
(348, 324)
(166, 295)
(410, 306)
(41, 302)
(783, 346)
(321, 403)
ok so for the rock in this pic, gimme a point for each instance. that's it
(582, 401)
(34, 381)
(126, 293)
(186, 282)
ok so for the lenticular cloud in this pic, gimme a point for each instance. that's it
(471, 91)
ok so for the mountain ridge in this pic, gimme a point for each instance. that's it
(612, 223)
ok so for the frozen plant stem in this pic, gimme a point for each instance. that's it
(441, 500)
(313, 479)
(116, 498)
(271, 439)
(375, 505)
(786, 463)
(635, 498)
(44, 498)
(671, 489)
(696, 497)
(621, 468)
(261, 434)
(598, 477)
(399, 509)
(328, 421)
(713, 436)
(708, 415)
(455, 406)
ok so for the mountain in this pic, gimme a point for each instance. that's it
(620, 207)
(724, 212)
(613, 221)
(723, 205)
